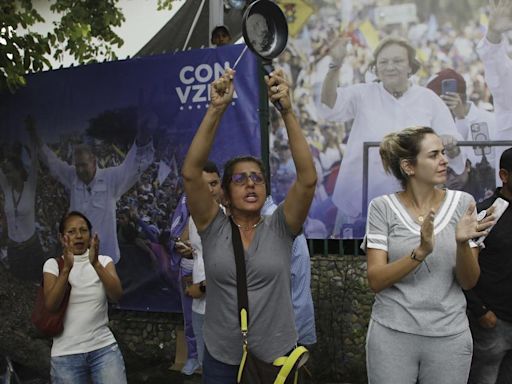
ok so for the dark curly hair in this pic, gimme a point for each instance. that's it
(67, 216)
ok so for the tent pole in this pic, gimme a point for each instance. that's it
(216, 16)
(194, 23)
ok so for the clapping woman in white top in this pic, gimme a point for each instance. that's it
(86, 351)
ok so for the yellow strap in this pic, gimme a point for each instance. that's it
(243, 320)
(289, 364)
(280, 361)
(242, 364)
(243, 329)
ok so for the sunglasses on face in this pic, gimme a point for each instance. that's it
(242, 177)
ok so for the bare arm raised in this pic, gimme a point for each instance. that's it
(300, 195)
(500, 19)
(338, 51)
(203, 207)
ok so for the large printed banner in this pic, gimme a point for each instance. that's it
(345, 107)
(109, 140)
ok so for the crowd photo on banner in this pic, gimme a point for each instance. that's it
(342, 102)
(113, 151)
(389, 122)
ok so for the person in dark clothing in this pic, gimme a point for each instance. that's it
(490, 301)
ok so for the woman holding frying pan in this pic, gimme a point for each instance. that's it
(267, 240)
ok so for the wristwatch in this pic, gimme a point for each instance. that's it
(202, 286)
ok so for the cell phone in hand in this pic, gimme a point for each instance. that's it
(500, 205)
(184, 248)
(448, 85)
(180, 244)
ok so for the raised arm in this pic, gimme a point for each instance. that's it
(125, 175)
(59, 169)
(139, 157)
(202, 206)
(34, 159)
(299, 197)
(338, 51)
(497, 64)
(500, 19)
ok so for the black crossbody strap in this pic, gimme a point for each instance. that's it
(241, 276)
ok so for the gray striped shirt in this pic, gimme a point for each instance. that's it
(428, 303)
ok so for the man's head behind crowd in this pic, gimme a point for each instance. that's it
(436, 82)
(211, 176)
(221, 36)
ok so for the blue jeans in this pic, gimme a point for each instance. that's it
(197, 324)
(491, 347)
(216, 372)
(102, 366)
(186, 306)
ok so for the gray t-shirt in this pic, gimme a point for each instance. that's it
(422, 303)
(271, 322)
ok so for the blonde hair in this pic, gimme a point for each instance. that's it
(402, 145)
(414, 63)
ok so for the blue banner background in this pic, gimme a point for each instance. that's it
(100, 104)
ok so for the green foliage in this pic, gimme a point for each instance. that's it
(164, 4)
(84, 30)
(20, 53)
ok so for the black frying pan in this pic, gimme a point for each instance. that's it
(265, 32)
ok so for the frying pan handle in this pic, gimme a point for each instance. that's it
(269, 68)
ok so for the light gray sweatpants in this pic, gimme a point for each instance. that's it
(394, 357)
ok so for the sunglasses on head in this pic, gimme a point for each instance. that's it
(242, 177)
